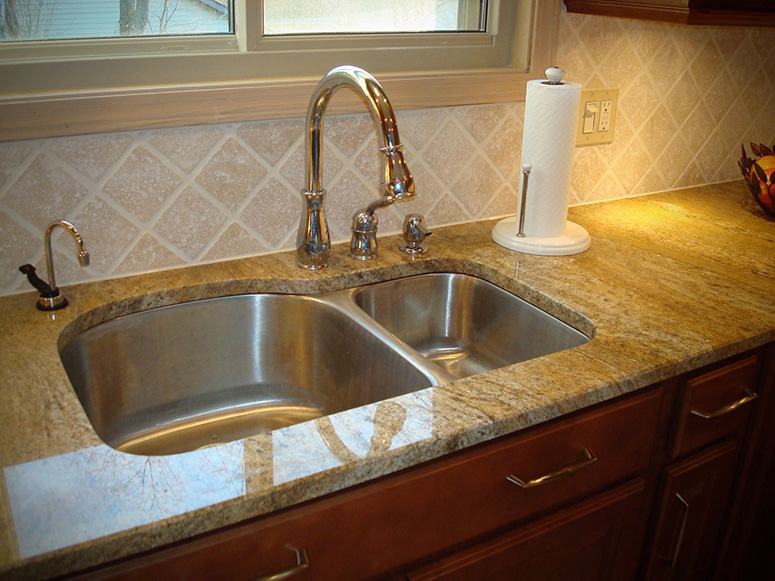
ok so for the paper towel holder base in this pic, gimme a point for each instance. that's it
(575, 239)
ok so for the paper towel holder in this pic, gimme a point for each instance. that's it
(511, 232)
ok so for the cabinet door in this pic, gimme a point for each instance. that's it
(695, 495)
(595, 540)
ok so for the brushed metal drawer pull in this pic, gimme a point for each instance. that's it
(302, 562)
(589, 458)
(681, 529)
(749, 396)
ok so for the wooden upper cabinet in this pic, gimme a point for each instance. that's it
(701, 12)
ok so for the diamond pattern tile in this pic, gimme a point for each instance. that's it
(232, 174)
(142, 184)
(190, 222)
(54, 190)
(156, 199)
(186, 147)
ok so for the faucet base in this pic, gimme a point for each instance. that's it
(51, 303)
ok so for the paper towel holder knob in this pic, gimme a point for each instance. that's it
(554, 76)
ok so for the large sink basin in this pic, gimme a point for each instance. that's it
(464, 324)
(182, 377)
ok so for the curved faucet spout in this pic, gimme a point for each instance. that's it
(83, 254)
(313, 245)
(50, 299)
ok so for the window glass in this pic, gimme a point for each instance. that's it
(83, 19)
(372, 16)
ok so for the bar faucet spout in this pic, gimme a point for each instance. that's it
(313, 244)
(50, 299)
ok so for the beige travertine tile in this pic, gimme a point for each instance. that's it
(348, 133)
(17, 246)
(632, 165)
(672, 161)
(91, 155)
(698, 127)
(417, 127)
(148, 254)
(235, 241)
(658, 130)
(232, 174)
(646, 38)
(105, 245)
(43, 193)
(588, 167)
(504, 148)
(504, 203)
(273, 212)
(708, 65)
(599, 37)
(720, 96)
(476, 186)
(479, 121)
(665, 68)
(186, 147)
(683, 98)
(640, 100)
(622, 67)
(11, 157)
(142, 184)
(272, 139)
(190, 222)
(448, 152)
(446, 211)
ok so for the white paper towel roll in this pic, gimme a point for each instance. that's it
(548, 140)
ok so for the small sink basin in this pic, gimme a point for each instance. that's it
(464, 324)
(183, 377)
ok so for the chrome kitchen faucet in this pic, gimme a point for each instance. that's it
(313, 245)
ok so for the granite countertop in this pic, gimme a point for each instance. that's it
(671, 282)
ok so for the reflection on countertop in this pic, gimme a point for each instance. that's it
(671, 282)
(78, 496)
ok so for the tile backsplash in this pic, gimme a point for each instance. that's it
(157, 199)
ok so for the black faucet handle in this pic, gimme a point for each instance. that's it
(36, 281)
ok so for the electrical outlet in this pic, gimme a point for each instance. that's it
(597, 113)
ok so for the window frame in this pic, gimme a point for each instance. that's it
(50, 97)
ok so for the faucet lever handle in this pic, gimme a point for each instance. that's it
(29, 271)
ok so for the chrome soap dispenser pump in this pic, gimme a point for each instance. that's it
(50, 299)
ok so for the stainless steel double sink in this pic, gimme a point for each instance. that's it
(186, 376)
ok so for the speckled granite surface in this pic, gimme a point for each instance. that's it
(672, 282)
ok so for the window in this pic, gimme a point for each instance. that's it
(25, 20)
(373, 16)
(264, 64)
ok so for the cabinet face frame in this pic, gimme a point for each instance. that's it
(675, 11)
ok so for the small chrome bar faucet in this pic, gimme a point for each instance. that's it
(50, 299)
(313, 245)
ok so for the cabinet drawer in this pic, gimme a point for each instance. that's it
(594, 540)
(423, 511)
(717, 403)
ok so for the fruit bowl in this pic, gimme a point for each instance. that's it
(759, 175)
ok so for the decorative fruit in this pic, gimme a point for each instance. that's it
(762, 170)
(759, 175)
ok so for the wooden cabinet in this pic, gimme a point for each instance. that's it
(644, 486)
(699, 12)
